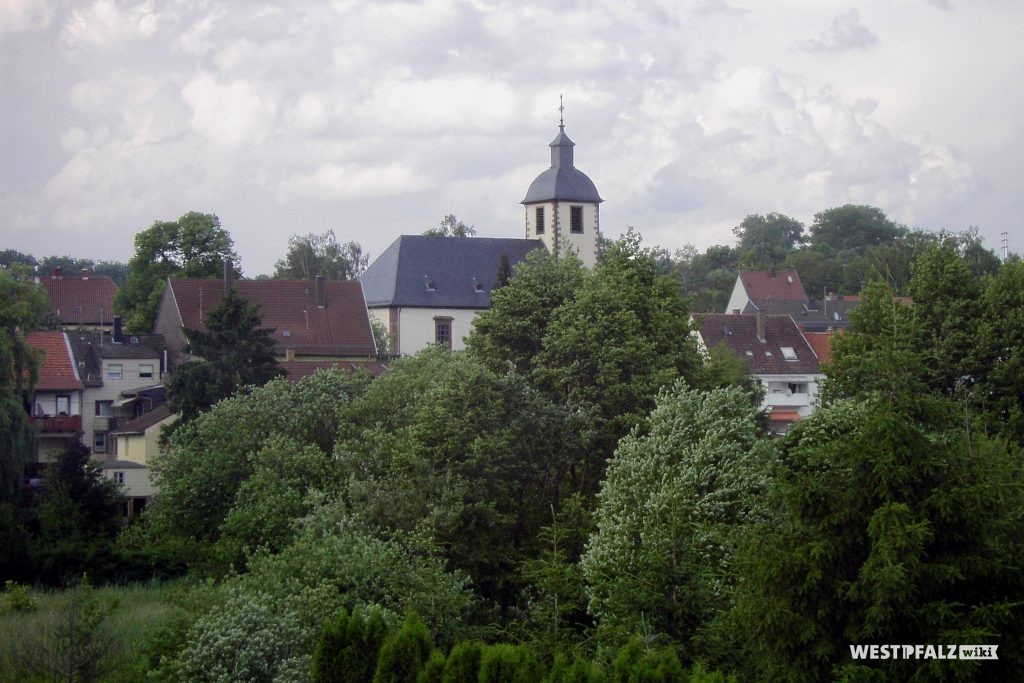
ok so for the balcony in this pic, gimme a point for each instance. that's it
(58, 425)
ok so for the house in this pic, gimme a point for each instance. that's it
(781, 293)
(137, 442)
(121, 375)
(56, 405)
(425, 290)
(776, 353)
(315, 321)
(84, 301)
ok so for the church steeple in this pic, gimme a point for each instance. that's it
(561, 146)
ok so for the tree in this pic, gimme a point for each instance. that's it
(405, 653)
(765, 241)
(669, 515)
(451, 227)
(1000, 352)
(892, 525)
(22, 307)
(348, 647)
(853, 227)
(235, 351)
(194, 246)
(311, 255)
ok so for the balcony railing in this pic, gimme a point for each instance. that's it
(60, 424)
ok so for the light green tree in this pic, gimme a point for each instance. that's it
(311, 255)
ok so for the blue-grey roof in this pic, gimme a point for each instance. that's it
(563, 181)
(440, 272)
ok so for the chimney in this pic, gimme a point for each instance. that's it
(57, 272)
(229, 275)
(760, 326)
(321, 292)
(118, 335)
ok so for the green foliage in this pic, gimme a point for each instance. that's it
(505, 663)
(892, 524)
(1000, 340)
(669, 514)
(451, 227)
(22, 307)
(18, 598)
(638, 663)
(463, 664)
(433, 670)
(765, 241)
(348, 647)
(311, 255)
(853, 227)
(404, 655)
(576, 670)
(235, 352)
(194, 246)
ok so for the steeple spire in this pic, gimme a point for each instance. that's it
(561, 109)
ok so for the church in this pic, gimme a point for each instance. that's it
(427, 290)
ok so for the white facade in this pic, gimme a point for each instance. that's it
(556, 232)
(100, 409)
(797, 392)
(417, 328)
(738, 299)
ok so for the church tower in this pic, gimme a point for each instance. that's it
(562, 205)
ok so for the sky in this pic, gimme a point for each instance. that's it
(375, 119)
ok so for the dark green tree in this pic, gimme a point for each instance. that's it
(348, 647)
(765, 241)
(194, 246)
(311, 255)
(235, 352)
(404, 654)
(463, 665)
(451, 227)
(853, 227)
(504, 272)
(1000, 349)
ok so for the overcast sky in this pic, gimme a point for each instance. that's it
(375, 118)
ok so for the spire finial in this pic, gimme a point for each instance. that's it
(561, 108)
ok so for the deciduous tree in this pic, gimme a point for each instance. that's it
(311, 255)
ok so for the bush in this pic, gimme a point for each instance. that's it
(637, 662)
(405, 654)
(463, 665)
(509, 663)
(18, 598)
(348, 647)
(578, 670)
(433, 670)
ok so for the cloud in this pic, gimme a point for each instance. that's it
(335, 182)
(229, 114)
(705, 8)
(105, 25)
(846, 33)
(24, 15)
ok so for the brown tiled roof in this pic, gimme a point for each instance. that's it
(821, 342)
(780, 285)
(56, 372)
(341, 328)
(296, 370)
(80, 300)
(739, 333)
(144, 421)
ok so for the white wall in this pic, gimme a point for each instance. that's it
(416, 327)
(45, 402)
(738, 298)
(111, 391)
(777, 392)
(584, 244)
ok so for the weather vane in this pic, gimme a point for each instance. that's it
(561, 108)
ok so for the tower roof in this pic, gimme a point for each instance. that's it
(563, 181)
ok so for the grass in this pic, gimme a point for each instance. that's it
(106, 625)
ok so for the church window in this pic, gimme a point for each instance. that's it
(540, 220)
(443, 331)
(576, 219)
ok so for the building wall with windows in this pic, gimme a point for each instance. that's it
(555, 225)
(104, 406)
(413, 329)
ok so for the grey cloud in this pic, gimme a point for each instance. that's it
(846, 33)
(706, 8)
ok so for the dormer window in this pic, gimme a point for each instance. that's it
(478, 286)
(429, 283)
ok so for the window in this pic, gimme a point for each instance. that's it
(115, 371)
(788, 353)
(63, 404)
(104, 408)
(119, 478)
(443, 332)
(768, 353)
(576, 219)
(99, 442)
(798, 387)
(540, 220)
(146, 370)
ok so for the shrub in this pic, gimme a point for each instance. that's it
(463, 665)
(348, 647)
(509, 663)
(404, 654)
(18, 598)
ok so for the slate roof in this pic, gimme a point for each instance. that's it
(814, 314)
(140, 424)
(739, 333)
(86, 358)
(56, 371)
(289, 307)
(80, 300)
(563, 181)
(462, 271)
(779, 285)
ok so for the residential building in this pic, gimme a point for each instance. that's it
(138, 442)
(780, 292)
(427, 290)
(315, 321)
(56, 405)
(83, 301)
(776, 353)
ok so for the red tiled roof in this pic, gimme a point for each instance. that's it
(739, 333)
(56, 371)
(81, 300)
(296, 370)
(780, 285)
(821, 342)
(341, 328)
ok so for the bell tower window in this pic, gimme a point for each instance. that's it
(540, 220)
(576, 219)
